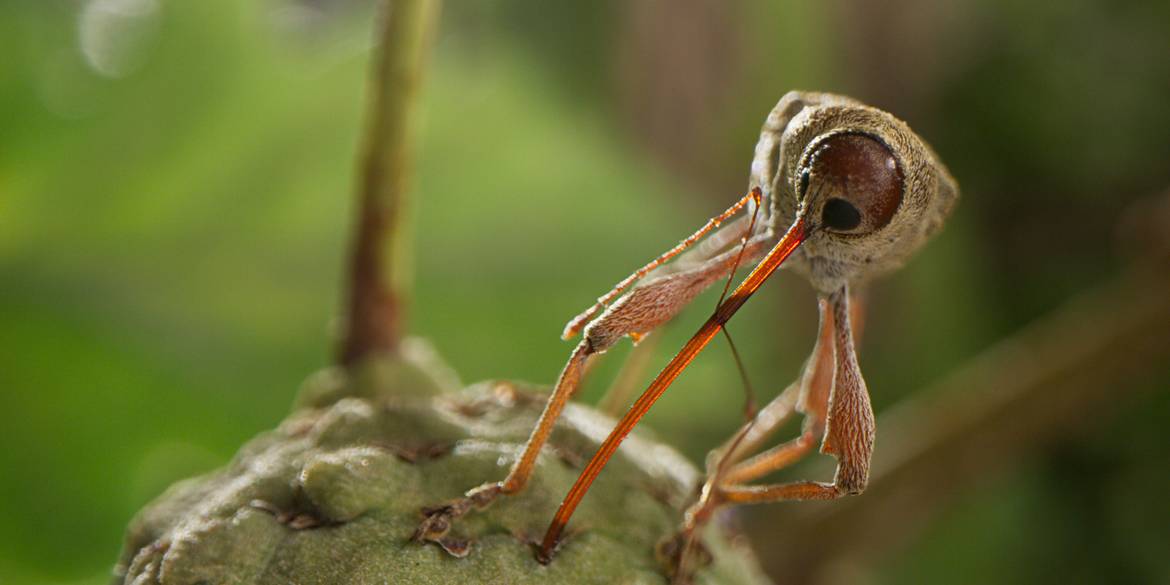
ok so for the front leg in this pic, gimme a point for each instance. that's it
(848, 426)
(849, 433)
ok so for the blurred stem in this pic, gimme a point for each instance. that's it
(379, 261)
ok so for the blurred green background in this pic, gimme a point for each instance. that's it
(176, 187)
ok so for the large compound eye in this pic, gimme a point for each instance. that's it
(856, 181)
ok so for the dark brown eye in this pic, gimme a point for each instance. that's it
(858, 183)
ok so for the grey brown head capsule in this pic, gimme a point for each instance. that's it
(870, 189)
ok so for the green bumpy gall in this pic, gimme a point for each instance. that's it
(333, 495)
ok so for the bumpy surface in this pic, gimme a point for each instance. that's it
(333, 495)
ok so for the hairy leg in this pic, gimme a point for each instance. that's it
(579, 322)
(849, 432)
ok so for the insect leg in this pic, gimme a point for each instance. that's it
(579, 322)
(437, 521)
(849, 429)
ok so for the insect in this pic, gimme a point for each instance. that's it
(840, 190)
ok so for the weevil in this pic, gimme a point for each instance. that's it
(839, 191)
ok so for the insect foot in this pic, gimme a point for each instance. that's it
(437, 521)
(681, 556)
(327, 497)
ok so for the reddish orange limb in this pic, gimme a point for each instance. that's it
(800, 490)
(777, 457)
(849, 429)
(775, 257)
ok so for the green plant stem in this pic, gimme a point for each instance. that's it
(379, 260)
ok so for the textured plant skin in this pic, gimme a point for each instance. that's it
(333, 494)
